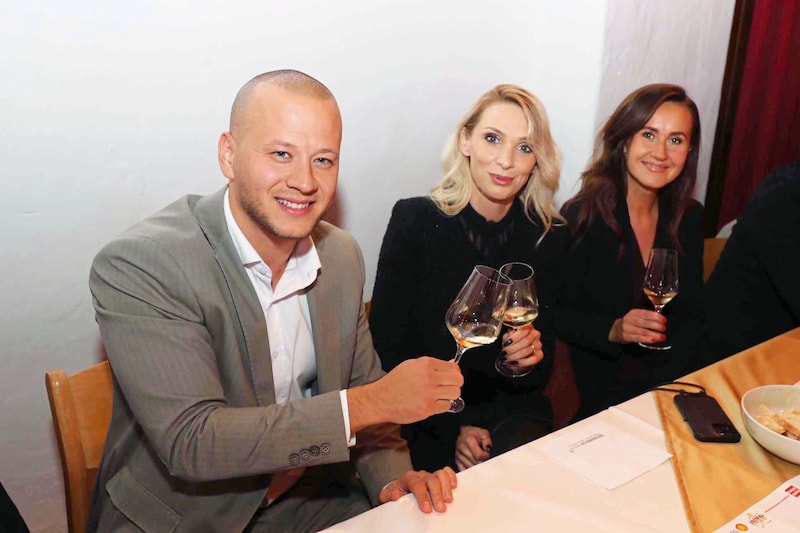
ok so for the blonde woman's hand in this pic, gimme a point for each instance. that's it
(522, 347)
(473, 446)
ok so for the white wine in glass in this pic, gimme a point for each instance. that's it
(659, 300)
(522, 307)
(518, 316)
(476, 315)
(661, 284)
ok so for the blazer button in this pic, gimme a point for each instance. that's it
(305, 455)
(294, 459)
(314, 451)
(325, 448)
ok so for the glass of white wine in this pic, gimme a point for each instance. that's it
(661, 284)
(476, 315)
(522, 307)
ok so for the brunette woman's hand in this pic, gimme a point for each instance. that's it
(639, 325)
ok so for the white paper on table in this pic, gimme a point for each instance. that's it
(609, 449)
(778, 512)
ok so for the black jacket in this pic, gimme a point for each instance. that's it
(424, 260)
(754, 292)
(603, 286)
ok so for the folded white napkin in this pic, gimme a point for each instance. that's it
(610, 449)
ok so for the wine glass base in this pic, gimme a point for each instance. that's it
(656, 346)
(456, 406)
(509, 372)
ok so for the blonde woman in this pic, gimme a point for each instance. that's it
(493, 206)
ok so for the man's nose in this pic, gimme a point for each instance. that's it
(302, 178)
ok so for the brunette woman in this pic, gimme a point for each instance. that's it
(635, 195)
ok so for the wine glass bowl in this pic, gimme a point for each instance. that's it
(660, 284)
(473, 335)
(522, 307)
(476, 315)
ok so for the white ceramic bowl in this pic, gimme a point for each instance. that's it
(776, 397)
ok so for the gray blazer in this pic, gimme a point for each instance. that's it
(195, 431)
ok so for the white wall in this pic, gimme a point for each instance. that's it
(673, 42)
(109, 113)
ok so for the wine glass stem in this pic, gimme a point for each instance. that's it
(659, 308)
(459, 352)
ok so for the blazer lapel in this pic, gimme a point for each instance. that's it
(244, 305)
(324, 324)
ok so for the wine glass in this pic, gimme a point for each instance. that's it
(476, 315)
(522, 307)
(661, 284)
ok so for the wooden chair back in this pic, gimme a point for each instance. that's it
(81, 409)
(712, 248)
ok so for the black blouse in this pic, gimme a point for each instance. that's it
(425, 258)
(603, 285)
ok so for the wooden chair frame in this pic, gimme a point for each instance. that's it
(712, 249)
(81, 409)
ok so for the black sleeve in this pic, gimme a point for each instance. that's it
(578, 321)
(684, 313)
(774, 228)
(690, 269)
(550, 259)
(393, 296)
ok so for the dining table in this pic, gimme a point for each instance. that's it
(698, 488)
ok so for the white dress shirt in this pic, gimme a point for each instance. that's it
(288, 320)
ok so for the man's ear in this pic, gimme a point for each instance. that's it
(226, 149)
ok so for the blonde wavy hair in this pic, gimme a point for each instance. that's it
(452, 194)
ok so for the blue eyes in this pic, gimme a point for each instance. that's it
(494, 139)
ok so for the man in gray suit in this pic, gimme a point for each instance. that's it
(246, 386)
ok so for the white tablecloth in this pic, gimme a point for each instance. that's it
(524, 490)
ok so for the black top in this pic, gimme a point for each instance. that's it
(602, 286)
(10, 519)
(425, 258)
(754, 292)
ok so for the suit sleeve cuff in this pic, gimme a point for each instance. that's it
(351, 441)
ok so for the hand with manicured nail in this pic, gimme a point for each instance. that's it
(473, 446)
(522, 347)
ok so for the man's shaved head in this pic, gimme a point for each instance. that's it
(290, 80)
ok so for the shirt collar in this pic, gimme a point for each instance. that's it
(304, 258)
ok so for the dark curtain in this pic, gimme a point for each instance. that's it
(766, 131)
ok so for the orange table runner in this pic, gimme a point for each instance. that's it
(719, 481)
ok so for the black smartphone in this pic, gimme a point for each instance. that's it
(705, 417)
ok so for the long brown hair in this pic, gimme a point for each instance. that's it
(604, 182)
